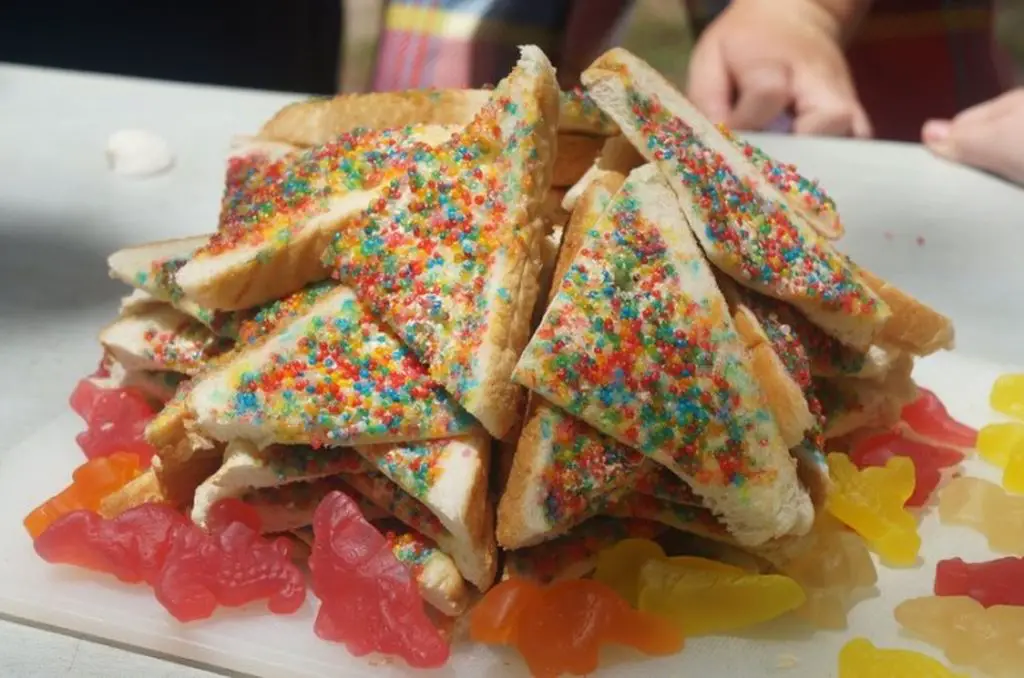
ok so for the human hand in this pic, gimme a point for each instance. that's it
(759, 60)
(989, 136)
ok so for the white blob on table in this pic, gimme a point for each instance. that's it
(138, 153)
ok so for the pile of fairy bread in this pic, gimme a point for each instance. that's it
(518, 326)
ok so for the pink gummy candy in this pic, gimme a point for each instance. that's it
(369, 600)
(190, 570)
(116, 421)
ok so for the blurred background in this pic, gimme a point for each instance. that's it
(241, 42)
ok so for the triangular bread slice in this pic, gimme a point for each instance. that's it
(562, 464)
(478, 565)
(161, 338)
(137, 300)
(802, 195)
(248, 156)
(273, 232)
(151, 267)
(913, 326)
(450, 478)
(438, 579)
(639, 343)
(289, 507)
(246, 468)
(451, 261)
(738, 216)
(695, 520)
(317, 121)
(157, 385)
(851, 404)
(574, 555)
(617, 157)
(329, 376)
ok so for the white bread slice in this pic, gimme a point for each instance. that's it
(151, 268)
(161, 338)
(317, 121)
(658, 482)
(279, 222)
(913, 326)
(246, 468)
(802, 195)
(685, 518)
(450, 478)
(561, 464)
(137, 300)
(478, 565)
(438, 579)
(331, 376)
(574, 555)
(576, 154)
(287, 507)
(158, 386)
(736, 214)
(248, 156)
(452, 261)
(851, 404)
(617, 157)
(639, 343)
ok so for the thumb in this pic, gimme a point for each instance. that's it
(937, 136)
(709, 85)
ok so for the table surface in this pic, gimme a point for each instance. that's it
(62, 212)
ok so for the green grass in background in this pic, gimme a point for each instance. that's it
(659, 33)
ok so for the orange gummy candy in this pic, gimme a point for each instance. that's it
(987, 508)
(560, 628)
(90, 483)
(968, 633)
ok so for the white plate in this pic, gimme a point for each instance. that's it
(949, 235)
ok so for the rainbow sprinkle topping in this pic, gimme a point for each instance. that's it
(745, 234)
(626, 346)
(334, 377)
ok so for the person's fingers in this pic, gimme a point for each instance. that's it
(861, 128)
(983, 142)
(827, 108)
(709, 85)
(763, 93)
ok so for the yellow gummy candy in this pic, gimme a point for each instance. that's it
(871, 502)
(860, 659)
(1008, 395)
(997, 441)
(702, 599)
(1013, 474)
(619, 566)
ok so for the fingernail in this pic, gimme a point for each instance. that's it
(936, 132)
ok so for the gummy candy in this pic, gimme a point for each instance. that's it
(987, 508)
(619, 566)
(860, 659)
(116, 421)
(703, 597)
(132, 546)
(232, 565)
(369, 600)
(929, 418)
(90, 483)
(833, 568)
(968, 633)
(560, 628)
(1008, 395)
(928, 460)
(871, 502)
(1013, 474)
(996, 582)
(996, 442)
(191, 571)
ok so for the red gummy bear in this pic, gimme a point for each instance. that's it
(369, 600)
(928, 417)
(996, 582)
(929, 460)
(116, 420)
(231, 566)
(132, 546)
(190, 570)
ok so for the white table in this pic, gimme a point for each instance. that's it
(62, 212)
